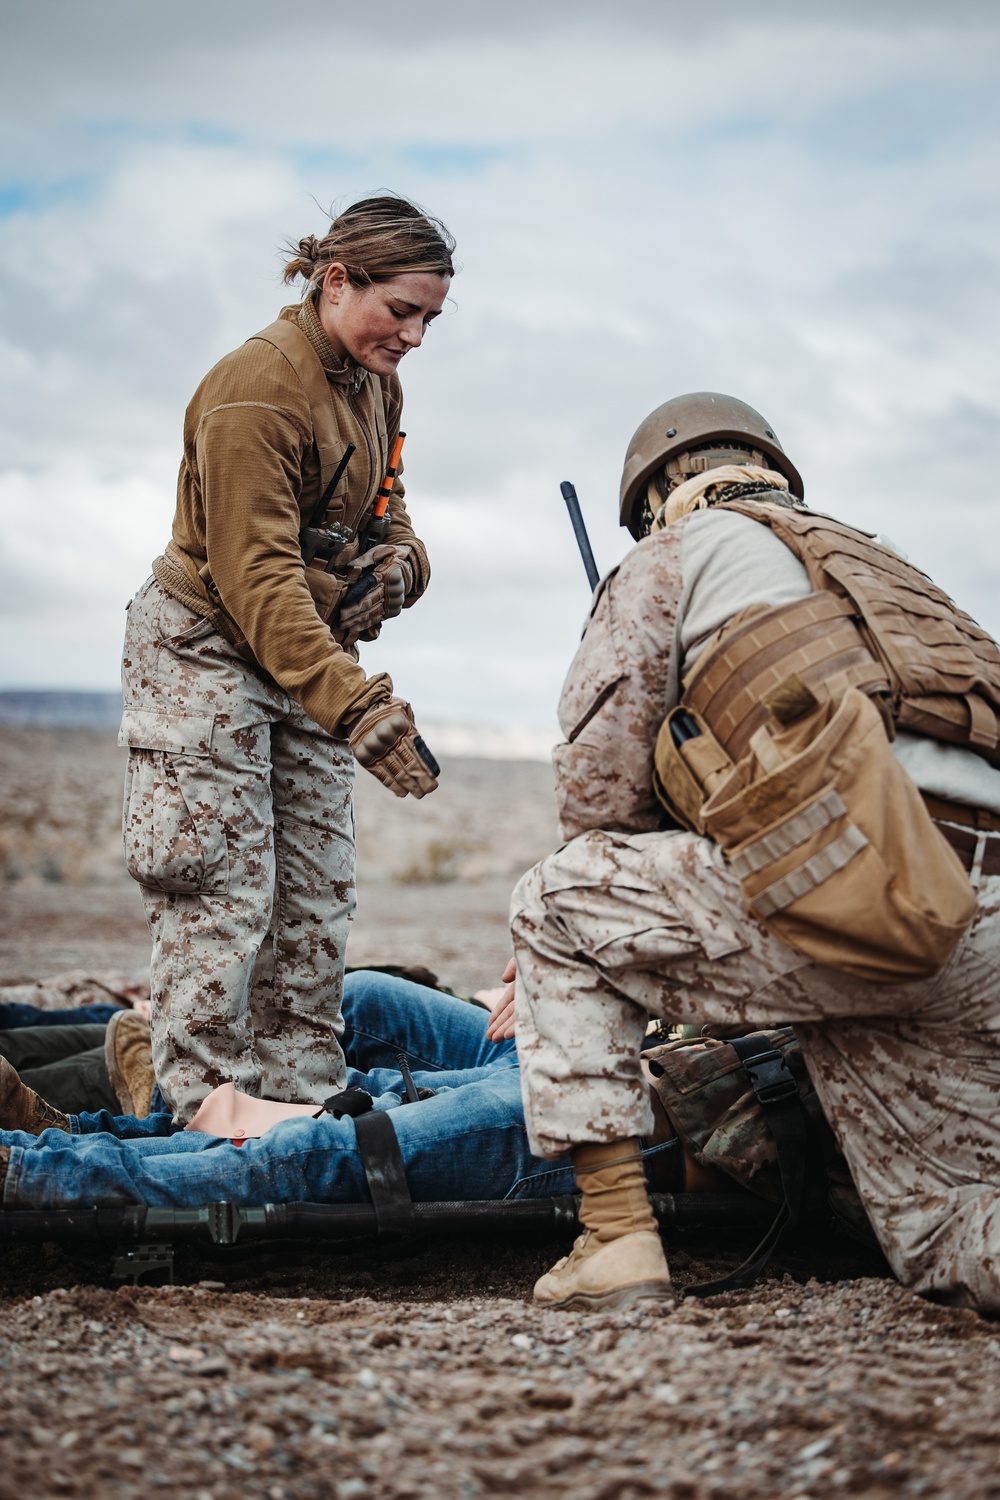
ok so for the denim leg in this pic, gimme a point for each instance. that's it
(123, 1127)
(385, 1015)
(468, 1142)
(14, 1015)
(465, 1143)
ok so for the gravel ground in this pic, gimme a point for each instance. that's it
(791, 1390)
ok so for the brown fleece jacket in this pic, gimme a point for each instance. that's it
(248, 482)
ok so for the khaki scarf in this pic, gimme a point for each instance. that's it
(704, 489)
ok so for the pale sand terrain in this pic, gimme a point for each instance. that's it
(316, 1372)
(435, 884)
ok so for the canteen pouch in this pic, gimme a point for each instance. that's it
(834, 848)
(327, 590)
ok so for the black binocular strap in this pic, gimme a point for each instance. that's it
(777, 1094)
(383, 1164)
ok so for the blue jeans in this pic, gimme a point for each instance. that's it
(15, 1015)
(467, 1142)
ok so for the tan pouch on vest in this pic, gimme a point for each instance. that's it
(834, 848)
(685, 774)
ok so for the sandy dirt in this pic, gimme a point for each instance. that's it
(420, 1369)
(434, 890)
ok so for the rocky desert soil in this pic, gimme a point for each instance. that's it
(420, 1369)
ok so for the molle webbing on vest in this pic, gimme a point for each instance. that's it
(815, 638)
(943, 669)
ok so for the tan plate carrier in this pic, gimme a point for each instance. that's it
(780, 751)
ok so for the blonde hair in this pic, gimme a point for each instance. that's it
(375, 240)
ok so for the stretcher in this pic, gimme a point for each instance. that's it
(142, 1239)
(145, 1235)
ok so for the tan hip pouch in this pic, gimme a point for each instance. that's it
(833, 846)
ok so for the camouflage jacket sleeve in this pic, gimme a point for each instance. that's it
(623, 680)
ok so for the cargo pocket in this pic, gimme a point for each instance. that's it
(175, 841)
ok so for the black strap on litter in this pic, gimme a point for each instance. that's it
(777, 1094)
(352, 1102)
(383, 1164)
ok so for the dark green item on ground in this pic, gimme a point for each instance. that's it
(65, 1064)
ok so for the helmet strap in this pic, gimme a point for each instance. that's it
(699, 460)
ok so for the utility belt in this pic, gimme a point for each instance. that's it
(836, 851)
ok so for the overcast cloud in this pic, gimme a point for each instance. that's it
(794, 203)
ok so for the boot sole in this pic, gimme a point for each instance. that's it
(622, 1296)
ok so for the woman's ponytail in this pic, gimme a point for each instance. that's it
(376, 239)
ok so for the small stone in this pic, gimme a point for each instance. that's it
(260, 1438)
(521, 1341)
(352, 1489)
(185, 1354)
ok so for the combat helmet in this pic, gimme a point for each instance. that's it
(697, 421)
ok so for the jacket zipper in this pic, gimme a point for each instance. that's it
(374, 478)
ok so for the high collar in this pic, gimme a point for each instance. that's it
(341, 369)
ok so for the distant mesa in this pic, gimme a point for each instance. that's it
(42, 708)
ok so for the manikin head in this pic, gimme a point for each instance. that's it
(380, 276)
(687, 436)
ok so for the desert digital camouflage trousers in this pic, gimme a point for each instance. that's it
(612, 929)
(239, 828)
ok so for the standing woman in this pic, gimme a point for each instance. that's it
(243, 696)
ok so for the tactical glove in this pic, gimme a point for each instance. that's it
(385, 741)
(383, 580)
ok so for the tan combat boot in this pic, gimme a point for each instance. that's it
(128, 1054)
(619, 1259)
(22, 1109)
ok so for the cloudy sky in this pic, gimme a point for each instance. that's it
(794, 202)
